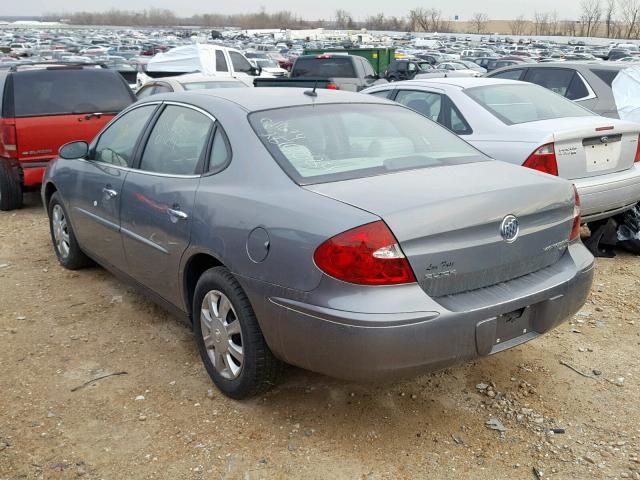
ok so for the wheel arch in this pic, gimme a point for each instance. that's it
(194, 267)
(47, 192)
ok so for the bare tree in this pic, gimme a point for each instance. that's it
(540, 23)
(519, 25)
(342, 18)
(630, 17)
(609, 17)
(479, 21)
(427, 20)
(590, 17)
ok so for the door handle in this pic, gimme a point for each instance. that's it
(109, 192)
(177, 214)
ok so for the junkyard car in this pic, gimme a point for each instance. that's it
(337, 232)
(528, 125)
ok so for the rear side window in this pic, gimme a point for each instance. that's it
(177, 142)
(555, 79)
(607, 76)
(426, 103)
(221, 62)
(66, 91)
(341, 67)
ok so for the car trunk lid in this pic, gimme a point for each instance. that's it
(592, 146)
(448, 220)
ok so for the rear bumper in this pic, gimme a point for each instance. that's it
(371, 346)
(607, 195)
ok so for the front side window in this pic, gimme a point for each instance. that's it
(177, 142)
(240, 64)
(117, 144)
(513, 104)
(323, 143)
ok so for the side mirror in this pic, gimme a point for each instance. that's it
(74, 150)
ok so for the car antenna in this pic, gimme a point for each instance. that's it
(312, 93)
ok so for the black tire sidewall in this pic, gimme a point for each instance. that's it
(10, 187)
(250, 379)
(76, 258)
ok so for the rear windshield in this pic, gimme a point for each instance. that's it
(324, 67)
(66, 91)
(210, 85)
(324, 143)
(514, 104)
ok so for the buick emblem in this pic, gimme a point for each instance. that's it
(509, 229)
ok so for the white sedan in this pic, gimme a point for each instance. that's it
(187, 82)
(528, 125)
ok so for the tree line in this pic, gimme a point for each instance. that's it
(606, 18)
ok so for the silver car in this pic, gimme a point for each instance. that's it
(330, 230)
(526, 124)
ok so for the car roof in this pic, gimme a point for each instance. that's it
(575, 65)
(265, 98)
(459, 82)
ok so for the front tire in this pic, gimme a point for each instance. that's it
(10, 188)
(229, 338)
(64, 240)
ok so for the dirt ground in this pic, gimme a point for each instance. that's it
(164, 418)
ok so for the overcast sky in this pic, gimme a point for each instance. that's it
(496, 9)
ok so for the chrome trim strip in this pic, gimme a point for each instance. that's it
(98, 219)
(143, 240)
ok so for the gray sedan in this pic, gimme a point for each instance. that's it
(333, 231)
(528, 125)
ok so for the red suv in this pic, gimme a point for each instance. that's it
(44, 106)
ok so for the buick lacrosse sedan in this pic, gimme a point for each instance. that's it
(338, 232)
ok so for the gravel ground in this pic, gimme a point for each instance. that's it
(164, 418)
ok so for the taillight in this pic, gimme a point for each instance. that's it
(8, 140)
(332, 86)
(637, 158)
(366, 255)
(543, 160)
(575, 229)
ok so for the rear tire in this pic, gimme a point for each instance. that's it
(10, 188)
(225, 325)
(64, 240)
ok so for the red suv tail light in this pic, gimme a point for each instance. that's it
(366, 255)
(543, 160)
(8, 139)
(637, 159)
(575, 229)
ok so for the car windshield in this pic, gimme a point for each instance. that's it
(210, 85)
(513, 104)
(329, 66)
(264, 63)
(324, 143)
(69, 91)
